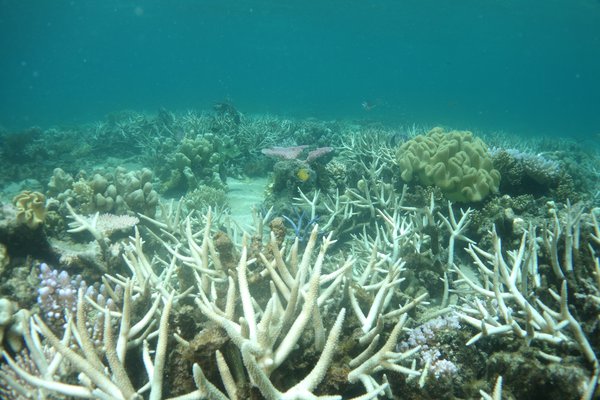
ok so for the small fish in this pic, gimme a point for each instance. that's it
(367, 105)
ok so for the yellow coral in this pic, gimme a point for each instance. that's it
(31, 208)
(456, 162)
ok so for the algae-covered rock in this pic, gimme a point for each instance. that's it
(456, 162)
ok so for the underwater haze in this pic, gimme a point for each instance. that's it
(286, 199)
(527, 67)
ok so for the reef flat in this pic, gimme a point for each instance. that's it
(228, 256)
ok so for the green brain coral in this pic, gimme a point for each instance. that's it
(456, 162)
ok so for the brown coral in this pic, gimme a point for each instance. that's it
(226, 251)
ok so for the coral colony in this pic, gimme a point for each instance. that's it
(57, 293)
(427, 336)
(431, 268)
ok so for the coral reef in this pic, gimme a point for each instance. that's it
(524, 172)
(21, 230)
(297, 170)
(428, 336)
(57, 294)
(16, 147)
(204, 197)
(59, 182)
(357, 284)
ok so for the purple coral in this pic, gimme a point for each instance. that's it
(285, 153)
(537, 167)
(318, 153)
(427, 336)
(57, 293)
(292, 153)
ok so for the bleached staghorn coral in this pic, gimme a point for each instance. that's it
(416, 230)
(502, 301)
(266, 343)
(496, 394)
(101, 370)
(265, 334)
(371, 361)
(101, 227)
(595, 237)
(349, 211)
(369, 145)
(259, 132)
(422, 228)
(296, 300)
(305, 288)
(381, 274)
(341, 216)
(376, 275)
(427, 235)
(456, 230)
(566, 225)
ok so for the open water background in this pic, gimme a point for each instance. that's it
(526, 67)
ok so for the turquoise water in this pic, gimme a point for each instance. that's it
(529, 67)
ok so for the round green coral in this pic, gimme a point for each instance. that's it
(456, 162)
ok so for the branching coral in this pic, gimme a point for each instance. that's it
(102, 370)
(503, 303)
(270, 302)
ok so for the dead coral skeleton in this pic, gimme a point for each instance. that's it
(306, 288)
(504, 298)
(101, 371)
(265, 334)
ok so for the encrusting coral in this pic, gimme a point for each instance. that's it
(456, 162)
